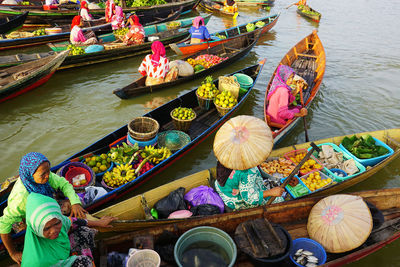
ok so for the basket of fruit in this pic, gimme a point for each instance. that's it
(172, 25)
(99, 164)
(119, 175)
(78, 174)
(224, 102)
(75, 50)
(315, 180)
(183, 118)
(206, 93)
(143, 128)
(120, 33)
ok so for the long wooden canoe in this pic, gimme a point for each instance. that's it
(185, 48)
(17, 80)
(235, 49)
(217, 8)
(307, 58)
(12, 23)
(132, 217)
(308, 12)
(292, 216)
(205, 123)
(252, 3)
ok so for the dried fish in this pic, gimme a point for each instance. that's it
(298, 252)
(308, 253)
(311, 265)
(299, 259)
(312, 259)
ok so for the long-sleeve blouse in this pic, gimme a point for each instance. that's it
(85, 14)
(77, 35)
(159, 71)
(278, 106)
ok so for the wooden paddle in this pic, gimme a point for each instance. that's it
(314, 147)
(290, 5)
(304, 117)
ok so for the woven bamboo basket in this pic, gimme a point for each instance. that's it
(182, 125)
(222, 111)
(143, 128)
(16, 35)
(113, 46)
(204, 103)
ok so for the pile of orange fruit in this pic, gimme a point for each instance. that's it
(308, 166)
(314, 181)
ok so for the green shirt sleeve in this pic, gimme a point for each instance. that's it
(58, 182)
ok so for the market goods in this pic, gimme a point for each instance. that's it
(307, 10)
(173, 25)
(138, 3)
(363, 147)
(121, 31)
(207, 89)
(122, 154)
(278, 166)
(121, 174)
(147, 166)
(250, 27)
(24, 3)
(198, 68)
(183, 113)
(39, 32)
(225, 100)
(260, 24)
(305, 258)
(75, 50)
(308, 166)
(314, 181)
(150, 153)
(335, 159)
(206, 60)
(220, 36)
(98, 163)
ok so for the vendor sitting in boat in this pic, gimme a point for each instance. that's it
(281, 96)
(198, 31)
(77, 36)
(118, 19)
(109, 10)
(136, 33)
(84, 12)
(230, 6)
(156, 65)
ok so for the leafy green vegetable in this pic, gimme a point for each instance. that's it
(363, 147)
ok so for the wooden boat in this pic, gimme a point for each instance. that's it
(292, 216)
(217, 8)
(185, 48)
(205, 124)
(307, 58)
(17, 80)
(253, 3)
(12, 23)
(235, 49)
(308, 12)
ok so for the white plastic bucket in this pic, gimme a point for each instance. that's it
(143, 258)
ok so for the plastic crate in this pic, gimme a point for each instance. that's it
(323, 177)
(269, 176)
(346, 156)
(298, 151)
(373, 161)
(290, 190)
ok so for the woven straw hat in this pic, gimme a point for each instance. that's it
(340, 222)
(243, 142)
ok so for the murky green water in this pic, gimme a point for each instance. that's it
(359, 93)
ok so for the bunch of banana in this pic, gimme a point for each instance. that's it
(119, 175)
(164, 154)
(155, 155)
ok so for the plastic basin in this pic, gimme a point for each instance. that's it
(244, 80)
(131, 141)
(310, 245)
(338, 171)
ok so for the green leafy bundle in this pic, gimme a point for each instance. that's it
(363, 147)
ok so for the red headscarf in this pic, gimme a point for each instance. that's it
(159, 51)
(134, 20)
(83, 6)
(76, 21)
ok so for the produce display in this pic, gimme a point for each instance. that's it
(121, 174)
(24, 3)
(121, 31)
(260, 24)
(281, 166)
(332, 158)
(138, 3)
(364, 147)
(306, 10)
(207, 89)
(250, 27)
(183, 113)
(305, 258)
(39, 32)
(75, 50)
(155, 155)
(308, 166)
(225, 100)
(220, 36)
(173, 24)
(314, 181)
(98, 163)
(206, 60)
(122, 154)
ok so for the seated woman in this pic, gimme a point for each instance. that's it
(47, 241)
(117, 20)
(84, 12)
(77, 36)
(230, 6)
(109, 10)
(135, 35)
(281, 95)
(244, 189)
(198, 31)
(156, 65)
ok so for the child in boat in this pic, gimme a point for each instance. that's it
(117, 20)
(243, 189)
(84, 12)
(230, 6)
(53, 239)
(34, 177)
(77, 37)
(198, 31)
(281, 95)
(156, 65)
(136, 33)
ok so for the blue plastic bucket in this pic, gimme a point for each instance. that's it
(152, 142)
(308, 244)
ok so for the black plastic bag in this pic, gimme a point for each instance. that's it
(173, 202)
(205, 209)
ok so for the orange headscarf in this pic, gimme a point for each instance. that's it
(76, 21)
(134, 20)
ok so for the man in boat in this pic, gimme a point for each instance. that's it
(156, 65)
(230, 6)
(281, 96)
(198, 31)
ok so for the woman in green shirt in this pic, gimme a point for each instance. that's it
(34, 176)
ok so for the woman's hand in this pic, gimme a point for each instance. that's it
(16, 256)
(102, 222)
(274, 192)
(78, 212)
(303, 112)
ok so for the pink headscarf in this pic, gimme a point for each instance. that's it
(119, 12)
(159, 51)
(197, 20)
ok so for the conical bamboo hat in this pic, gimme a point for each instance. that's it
(340, 222)
(243, 142)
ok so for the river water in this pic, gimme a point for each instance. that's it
(359, 93)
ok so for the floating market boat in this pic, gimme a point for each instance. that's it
(252, 2)
(233, 50)
(308, 12)
(307, 58)
(12, 23)
(216, 8)
(17, 80)
(292, 216)
(185, 48)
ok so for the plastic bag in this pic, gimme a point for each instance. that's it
(93, 193)
(94, 48)
(205, 209)
(229, 84)
(172, 74)
(204, 195)
(185, 69)
(174, 201)
(115, 259)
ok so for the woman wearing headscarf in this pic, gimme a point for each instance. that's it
(77, 36)
(48, 241)
(110, 10)
(281, 96)
(117, 20)
(198, 31)
(135, 35)
(230, 6)
(156, 65)
(84, 12)
(34, 177)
